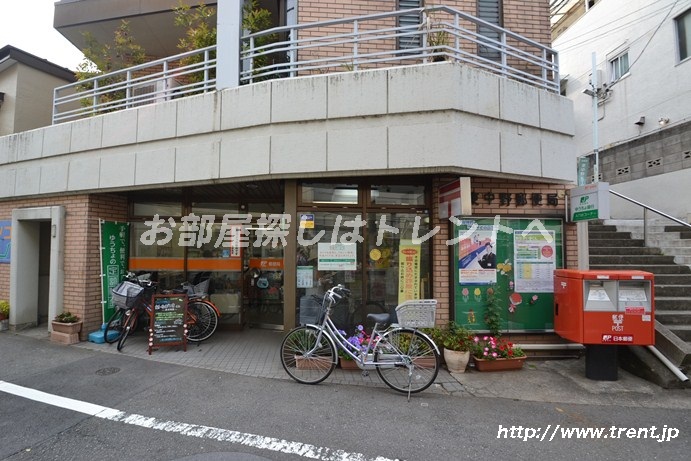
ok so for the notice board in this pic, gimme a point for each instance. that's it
(516, 258)
(168, 322)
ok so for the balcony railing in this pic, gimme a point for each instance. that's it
(366, 42)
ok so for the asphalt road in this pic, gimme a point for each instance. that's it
(155, 411)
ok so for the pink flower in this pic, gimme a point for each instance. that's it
(494, 354)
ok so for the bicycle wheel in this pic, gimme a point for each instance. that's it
(128, 327)
(114, 325)
(414, 360)
(305, 360)
(201, 321)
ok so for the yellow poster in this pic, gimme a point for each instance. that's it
(408, 271)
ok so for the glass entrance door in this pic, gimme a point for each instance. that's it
(263, 282)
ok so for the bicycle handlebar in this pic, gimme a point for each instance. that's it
(336, 293)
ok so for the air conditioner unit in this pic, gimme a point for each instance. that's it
(153, 92)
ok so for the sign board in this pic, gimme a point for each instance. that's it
(115, 244)
(589, 202)
(454, 198)
(5, 241)
(168, 325)
(583, 169)
(515, 258)
(408, 271)
(336, 257)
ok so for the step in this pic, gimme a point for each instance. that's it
(653, 268)
(673, 317)
(682, 331)
(668, 241)
(681, 291)
(677, 228)
(673, 279)
(628, 242)
(633, 260)
(672, 303)
(602, 228)
(603, 251)
(609, 235)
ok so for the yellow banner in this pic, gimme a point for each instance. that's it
(408, 271)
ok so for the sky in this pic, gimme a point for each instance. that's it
(28, 25)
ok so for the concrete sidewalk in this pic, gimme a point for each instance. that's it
(255, 352)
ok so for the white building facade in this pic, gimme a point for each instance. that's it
(643, 128)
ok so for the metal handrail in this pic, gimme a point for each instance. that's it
(649, 208)
(661, 213)
(365, 42)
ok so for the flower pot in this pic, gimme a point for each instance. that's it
(312, 363)
(456, 361)
(65, 333)
(4, 324)
(68, 328)
(499, 364)
(348, 364)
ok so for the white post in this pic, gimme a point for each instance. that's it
(596, 141)
(229, 27)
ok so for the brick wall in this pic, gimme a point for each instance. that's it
(442, 288)
(530, 19)
(81, 260)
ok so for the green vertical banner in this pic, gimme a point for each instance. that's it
(515, 260)
(115, 244)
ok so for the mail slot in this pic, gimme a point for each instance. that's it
(601, 309)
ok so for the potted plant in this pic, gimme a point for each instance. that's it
(437, 41)
(66, 328)
(494, 354)
(457, 342)
(493, 310)
(4, 315)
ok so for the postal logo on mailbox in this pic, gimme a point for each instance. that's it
(617, 320)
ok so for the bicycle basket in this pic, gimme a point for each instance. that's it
(417, 314)
(200, 290)
(126, 294)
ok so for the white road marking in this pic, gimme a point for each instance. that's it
(193, 430)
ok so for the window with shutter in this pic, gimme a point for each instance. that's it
(490, 11)
(409, 20)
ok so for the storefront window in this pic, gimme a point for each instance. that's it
(149, 209)
(165, 260)
(333, 194)
(400, 195)
(325, 258)
(382, 256)
(397, 263)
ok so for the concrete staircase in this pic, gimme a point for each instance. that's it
(620, 245)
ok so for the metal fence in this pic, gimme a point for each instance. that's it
(360, 43)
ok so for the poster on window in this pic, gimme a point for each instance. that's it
(535, 261)
(477, 258)
(408, 271)
(5, 241)
(336, 257)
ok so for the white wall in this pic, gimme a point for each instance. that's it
(668, 193)
(657, 86)
(436, 117)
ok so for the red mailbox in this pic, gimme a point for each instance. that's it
(604, 307)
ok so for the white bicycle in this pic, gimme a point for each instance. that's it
(406, 359)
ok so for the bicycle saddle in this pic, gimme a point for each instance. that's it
(381, 319)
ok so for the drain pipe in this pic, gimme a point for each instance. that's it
(673, 368)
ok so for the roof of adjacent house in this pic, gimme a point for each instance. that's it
(9, 55)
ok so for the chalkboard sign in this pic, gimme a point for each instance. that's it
(168, 322)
